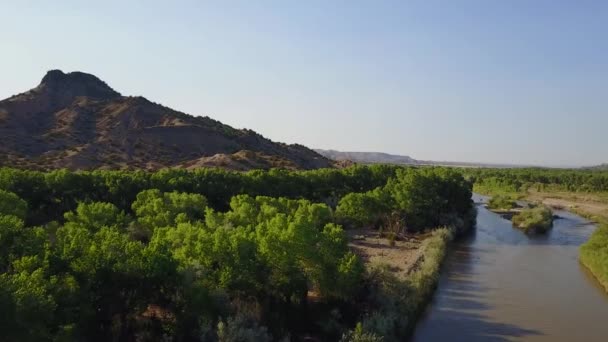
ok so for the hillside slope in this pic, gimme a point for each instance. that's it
(77, 121)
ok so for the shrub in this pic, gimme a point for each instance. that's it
(538, 219)
(358, 335)
(242, 329)
(501, 202)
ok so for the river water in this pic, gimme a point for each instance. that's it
(501, 285)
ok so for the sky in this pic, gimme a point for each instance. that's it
(519, 82)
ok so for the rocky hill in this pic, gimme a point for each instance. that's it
(77, 121)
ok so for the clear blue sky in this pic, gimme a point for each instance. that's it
(488, 80)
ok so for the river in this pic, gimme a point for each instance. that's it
(501, 285)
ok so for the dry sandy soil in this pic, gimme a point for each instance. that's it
(374, 250)
(402, 258)
(591, 204)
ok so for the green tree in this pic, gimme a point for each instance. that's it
(431, 197)
(11, 204)
(17, 241)
(94, 216)
(364, 209)
(157, 209)
(26, 306)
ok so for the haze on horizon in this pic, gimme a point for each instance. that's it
(517, 82)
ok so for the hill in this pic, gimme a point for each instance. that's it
(76, 121)
(367, 157)
(385, 158)
(601, 167)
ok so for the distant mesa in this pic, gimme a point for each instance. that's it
(368, 157)
(385, 158)
(77, 121)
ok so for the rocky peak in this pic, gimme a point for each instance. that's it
(75, 120)
(76, 84)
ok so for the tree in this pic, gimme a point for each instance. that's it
(17, 241)
(11, 204)
(364, 209)
(430, 197)
(26, 306)
(94, 216)
(157, 209)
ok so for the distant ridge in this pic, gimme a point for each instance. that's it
(601, 167)
(386, 158)
(367, 157)
(76, 121)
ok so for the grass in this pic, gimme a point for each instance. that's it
(594, 254)
(538, 219)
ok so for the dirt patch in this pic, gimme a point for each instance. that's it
(373, 250)
(591, 204)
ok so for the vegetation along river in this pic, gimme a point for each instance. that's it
(500, 284)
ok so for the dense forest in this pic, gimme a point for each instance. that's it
(213, 255)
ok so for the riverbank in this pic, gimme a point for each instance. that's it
(592, 206)
(401, 279)
(594, 255)
(496, 282)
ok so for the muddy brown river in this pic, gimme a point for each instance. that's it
(502, 285)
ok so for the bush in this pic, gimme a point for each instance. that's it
(241, 329)
(538, 219)
(501, 202)
(358, 335)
